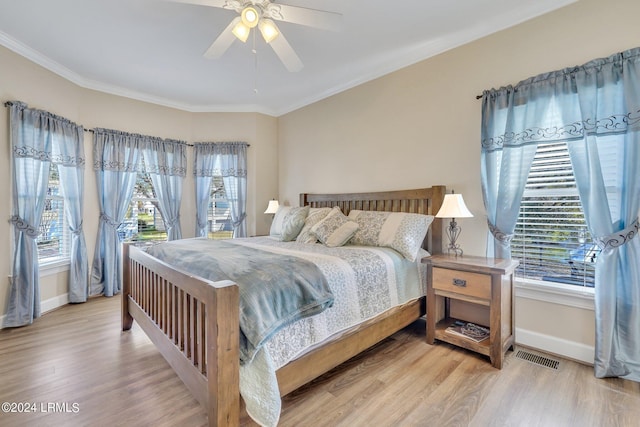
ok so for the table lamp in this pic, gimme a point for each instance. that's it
(453, 207)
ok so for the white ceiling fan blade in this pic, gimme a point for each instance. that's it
(226, 4)
(287, 55)
(301, 15)
(223, 42)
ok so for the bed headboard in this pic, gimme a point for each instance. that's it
(422, 200)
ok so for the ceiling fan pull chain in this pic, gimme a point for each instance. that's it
(255, 64)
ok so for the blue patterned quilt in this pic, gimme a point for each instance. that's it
(275, 289)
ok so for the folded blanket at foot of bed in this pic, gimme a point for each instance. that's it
(275, 289)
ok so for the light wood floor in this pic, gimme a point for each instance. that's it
(78, 358)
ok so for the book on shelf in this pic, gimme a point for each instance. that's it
(468, 330)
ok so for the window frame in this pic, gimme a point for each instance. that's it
(555, 293)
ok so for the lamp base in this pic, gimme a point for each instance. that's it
(457, 251)
(453, 231)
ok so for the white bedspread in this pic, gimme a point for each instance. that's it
(365, 282)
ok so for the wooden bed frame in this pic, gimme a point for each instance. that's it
(194, 322)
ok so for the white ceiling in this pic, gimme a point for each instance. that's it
(151, 50)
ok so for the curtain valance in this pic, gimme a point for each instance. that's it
(231, 157)
(547, 107)
(111, 150)
(35, 122)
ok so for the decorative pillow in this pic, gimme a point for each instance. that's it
(335, 229)
(314, 217)
(288, 222)
(401, 231)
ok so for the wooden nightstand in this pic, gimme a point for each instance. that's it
(485, 287)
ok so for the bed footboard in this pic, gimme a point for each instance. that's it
(194, 323)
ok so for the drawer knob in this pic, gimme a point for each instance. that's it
(460, 282)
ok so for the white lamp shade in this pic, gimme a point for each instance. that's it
(268, 30)
(272, 208)
(241, 31)
(453, 207)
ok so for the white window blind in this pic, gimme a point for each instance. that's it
(551, 237)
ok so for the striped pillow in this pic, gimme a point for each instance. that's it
(401, 231)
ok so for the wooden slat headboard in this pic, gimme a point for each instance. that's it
(422, 200)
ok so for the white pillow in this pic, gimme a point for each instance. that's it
(287, 222)
(401, 231)
(335, 229)
(315, 216)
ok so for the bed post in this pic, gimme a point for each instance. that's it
(127, 320)
(223, 358)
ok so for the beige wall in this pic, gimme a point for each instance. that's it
(22, 80)
(420, 126)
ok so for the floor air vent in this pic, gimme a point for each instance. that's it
(537, 359)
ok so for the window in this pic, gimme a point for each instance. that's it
(143, 221)
(219, 225)
(551, 237)
(53, 240)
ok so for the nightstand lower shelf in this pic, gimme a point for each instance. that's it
(441, 334)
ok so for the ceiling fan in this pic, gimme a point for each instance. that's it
(261, 14)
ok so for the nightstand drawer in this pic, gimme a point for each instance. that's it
(462, 282)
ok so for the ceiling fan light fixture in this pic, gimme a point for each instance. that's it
(268, 30)
(250, 16)
(241, 31)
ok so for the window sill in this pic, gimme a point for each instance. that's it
(54, 266)
(556, 293)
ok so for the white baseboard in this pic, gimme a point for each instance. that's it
(561, 347)
(47, 305)
(54, 303)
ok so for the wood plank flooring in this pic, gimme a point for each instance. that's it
(79, 369)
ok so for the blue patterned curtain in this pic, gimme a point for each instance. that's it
(118, 157)
(228, 160)
(117, 160)
(232, 159)
(595, 108)
(166, 163)
(505, 163)
(203, 171)
(71, 170)
(38, 139)
(606, 161)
